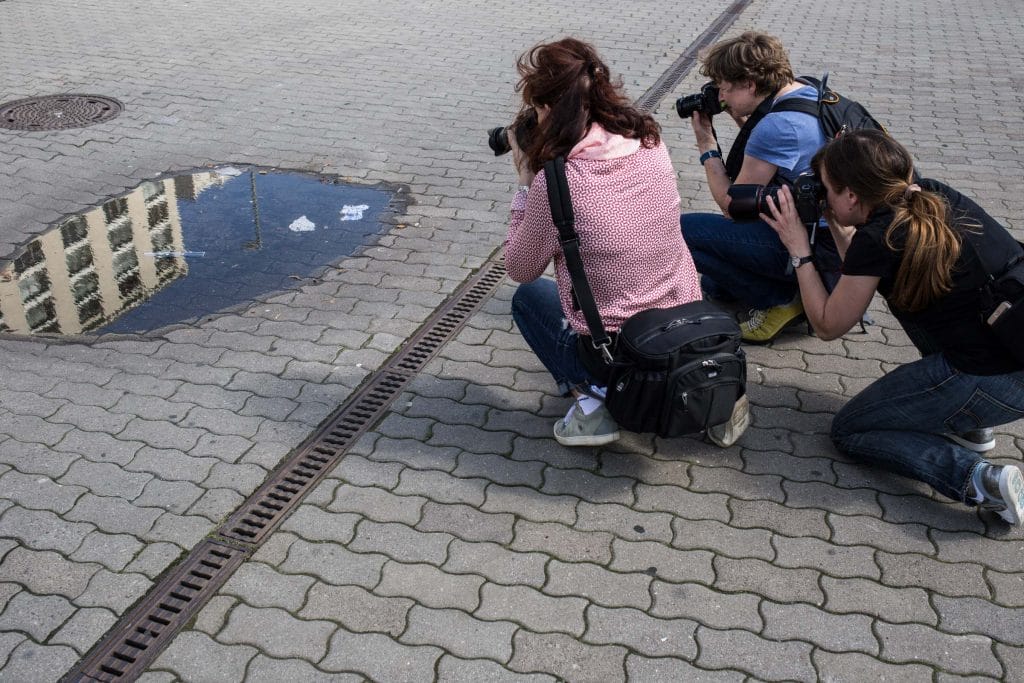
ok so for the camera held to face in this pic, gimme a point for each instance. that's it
(708, 101)
(749, 201)
(497, 138)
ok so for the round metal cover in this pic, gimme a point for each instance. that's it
(56, 112)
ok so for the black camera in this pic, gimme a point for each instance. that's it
(497, 138)
(707, 101)
(749, 201)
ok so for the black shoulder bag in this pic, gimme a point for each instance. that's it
(1003, 300)
(672, 371)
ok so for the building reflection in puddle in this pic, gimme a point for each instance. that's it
(176, 249)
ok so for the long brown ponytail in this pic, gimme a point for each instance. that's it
(879, 171)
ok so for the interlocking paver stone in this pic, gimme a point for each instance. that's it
(258, 585)
(966, 547)
(466, 522)
(919, 643)
(896, 538)
(381, 658)
(43, 530)
(624, 522)
(39, 492)
(171, 465)
(852, 667)
(105, 479)
(598, 585)
(32, 662)
(531, 608)
(846, 561)
(457, 670)
(567, 658)
(662, 561)
(763, 514)
(770, 660)
(682, 502)
(110, 550)
(84, 628)
(116, 592)
(800, 621)
(641, 633)
(35, 458)
(195, 656)
(667, 669)
(356, 609)
(441, 487)
(401, 543)
(277, 633)
(263, 669)
(592, 487)
(154, 558)
(460, 634)
(1008, 588)
(430, 586)
(38, 615)
(706, 606)
(315, 524)
(899, 605)
(562, 542)
(333, 564)
(496, 563)
(377, 504)
(722, 539)
(757, 576)
(974, 615)
(954, 579)
(530, 504)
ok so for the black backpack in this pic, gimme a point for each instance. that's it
(837, 114)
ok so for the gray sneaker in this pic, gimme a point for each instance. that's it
(727, 433)
(1002, 491)
(977, 440)
(577, 429)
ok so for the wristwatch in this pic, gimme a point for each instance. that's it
(797, 261)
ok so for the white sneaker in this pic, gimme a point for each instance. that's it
(727, 433)
(977, 440)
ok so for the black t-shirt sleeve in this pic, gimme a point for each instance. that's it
(867, 255)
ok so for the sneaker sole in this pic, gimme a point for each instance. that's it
(732, 429)
(590, 440)
(1011, 488)
(972, 445)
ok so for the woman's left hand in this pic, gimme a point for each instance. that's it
(519, 160)
(785, 220)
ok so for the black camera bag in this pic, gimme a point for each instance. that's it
(1003, 294)
(671, 371)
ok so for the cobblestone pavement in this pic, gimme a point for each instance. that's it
(457, 541)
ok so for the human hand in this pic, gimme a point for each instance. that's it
(784, 219)
(519, 160)
(703, 132)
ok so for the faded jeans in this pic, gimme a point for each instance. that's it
(897, 423)
(537, 312)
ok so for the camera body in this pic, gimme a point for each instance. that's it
(497, 138)
(749, 201)
(708, 101)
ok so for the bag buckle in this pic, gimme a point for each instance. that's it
(605, 353)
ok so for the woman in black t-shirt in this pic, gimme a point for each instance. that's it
(918, 245)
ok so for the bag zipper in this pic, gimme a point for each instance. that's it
(672, 324)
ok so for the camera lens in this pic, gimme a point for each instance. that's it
(687, 104)
(497, 140)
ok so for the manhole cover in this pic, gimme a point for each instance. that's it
(56, 112)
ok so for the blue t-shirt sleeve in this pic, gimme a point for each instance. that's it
(776, 141)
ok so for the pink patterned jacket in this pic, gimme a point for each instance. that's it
(626, 204)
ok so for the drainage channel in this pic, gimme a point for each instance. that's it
(146, 630)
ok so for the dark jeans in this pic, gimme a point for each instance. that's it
(537, 312)
(743, 262)
(897, 423)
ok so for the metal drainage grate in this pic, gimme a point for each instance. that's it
(677, 72)
(144, 632)
(57, 112)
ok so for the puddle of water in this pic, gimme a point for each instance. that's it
(176, 249)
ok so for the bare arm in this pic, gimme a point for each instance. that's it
(831, 315)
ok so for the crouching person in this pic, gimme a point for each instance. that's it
(626, 206)
(922, 246)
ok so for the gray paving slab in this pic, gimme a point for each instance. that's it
(457, 541)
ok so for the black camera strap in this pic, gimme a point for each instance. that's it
(734, 162)
(565, 220)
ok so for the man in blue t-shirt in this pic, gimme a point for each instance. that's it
(745, 262)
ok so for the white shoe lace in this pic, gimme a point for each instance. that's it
(757, 316)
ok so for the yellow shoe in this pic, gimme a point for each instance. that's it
(765, 324)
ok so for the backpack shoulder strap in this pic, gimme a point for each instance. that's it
(796, 104)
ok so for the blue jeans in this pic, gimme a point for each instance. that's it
(897, 422)
(537, 312)
(743, 262)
